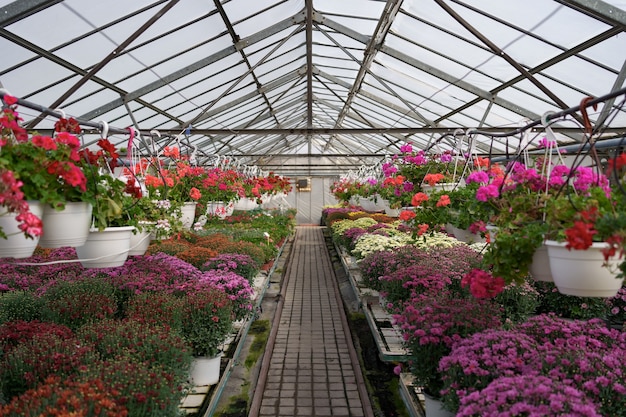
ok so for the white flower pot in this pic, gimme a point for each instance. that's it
(434, 407)
(68, 227)
(582, 272)
(540, 266)
(245, 204)
(464, 235)
(220, 209)
(139, 242)
(205, 370)
(188, 215)
(444, 186)
(107, 248)
(17, 245)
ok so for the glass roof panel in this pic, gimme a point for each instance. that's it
(12, 54)
(249, 17)
(428, 68)
(39, 73)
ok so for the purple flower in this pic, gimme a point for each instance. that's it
(529, 395)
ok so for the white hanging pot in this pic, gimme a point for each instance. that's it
(188, 215)
(434, 407)
(139, 241)
(540, 267)
(17, 245)
(67, 227)
(216, 208)
(245, 204)
(106, 248)
(582, 272)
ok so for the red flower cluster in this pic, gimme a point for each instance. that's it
(406, 215)
(580, 235)
(418, 199)
(482, 284)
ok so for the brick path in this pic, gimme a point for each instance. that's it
(312, 370)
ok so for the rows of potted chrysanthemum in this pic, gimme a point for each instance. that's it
(133, 334)
(444, 305)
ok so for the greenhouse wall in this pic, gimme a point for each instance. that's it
(309, 200)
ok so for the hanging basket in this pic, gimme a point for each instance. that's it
(17, 245)
(67, 227)
(444, 186)
(217, 208)
(106, 248)
(245, 204)
(582, 272)
(139, 241)
(188, 214)
(540, 267)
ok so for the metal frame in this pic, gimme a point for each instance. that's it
(343, 94)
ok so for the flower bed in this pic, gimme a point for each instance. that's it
(128, 331)
(476, 348)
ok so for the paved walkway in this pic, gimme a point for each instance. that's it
(311, 366)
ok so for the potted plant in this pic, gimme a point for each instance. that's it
(36, 171)
(207, 320)
(178, 181)
(470, 216)
(551, 300)
(432, 324)
(57, 395)
(492, 353)
(153, 220)
(414, 166)
(108, 242)
(585, 236)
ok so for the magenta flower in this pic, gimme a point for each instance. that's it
(487, 192)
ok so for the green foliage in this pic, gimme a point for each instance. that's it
(511, 252)
(30, 362)
(144, 390)
(20, 305)
(170, 246)
(207, 320)
(569, 306)
(518, 302)
(465, 209)
(246, 248)
(156, 345)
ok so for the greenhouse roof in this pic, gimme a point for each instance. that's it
(329, 84)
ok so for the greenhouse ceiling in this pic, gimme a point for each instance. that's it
(320, 87)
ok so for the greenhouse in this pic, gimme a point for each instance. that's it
(347, 208)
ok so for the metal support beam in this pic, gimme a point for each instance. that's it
(20, 9)
(384, 24)
(599, 10)
(73, 68)
(352, 131)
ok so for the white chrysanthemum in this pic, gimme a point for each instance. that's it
(437, 239)
(370, 243)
